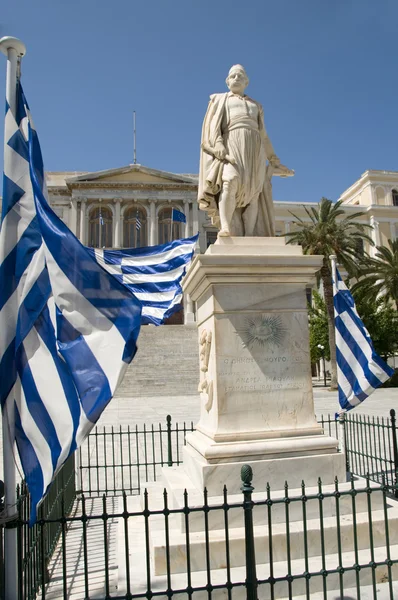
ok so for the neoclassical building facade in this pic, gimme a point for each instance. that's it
(103, 208)
(124, 208)
(131, 207)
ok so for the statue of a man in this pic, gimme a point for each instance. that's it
(235, 177)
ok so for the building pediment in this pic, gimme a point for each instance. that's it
(131, 174)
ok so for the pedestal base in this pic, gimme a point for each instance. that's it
(212, 465)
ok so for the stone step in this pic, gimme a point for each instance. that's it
(216, 517)
(167, 359)
(197, 542)
(179, 581)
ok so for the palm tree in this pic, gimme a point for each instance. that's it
(380, 275)
(331, 231)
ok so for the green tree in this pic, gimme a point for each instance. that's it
(381, 321)
(379, 275)
(331, 231)
(319, 333)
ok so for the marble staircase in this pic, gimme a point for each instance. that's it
(167, 363)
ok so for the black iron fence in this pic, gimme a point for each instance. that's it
(75, 537)
(340, 537)
(116, 460)
(36, 544)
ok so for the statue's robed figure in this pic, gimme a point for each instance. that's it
(235, 177)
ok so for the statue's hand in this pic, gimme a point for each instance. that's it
(274, 161)
(220, 151)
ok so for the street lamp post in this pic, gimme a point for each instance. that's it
(322, 349)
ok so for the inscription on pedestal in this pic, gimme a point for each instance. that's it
(263, 367)
(236, 369)
(270, 352)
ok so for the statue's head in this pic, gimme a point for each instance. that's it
(237, 79)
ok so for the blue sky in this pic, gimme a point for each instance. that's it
(324, 70)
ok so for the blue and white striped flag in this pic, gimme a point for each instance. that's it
(137, 222)
(360, 370)
(153, 274)
(67, 329)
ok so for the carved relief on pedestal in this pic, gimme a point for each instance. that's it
(205, 385)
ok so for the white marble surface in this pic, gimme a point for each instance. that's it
(277, 470)
(260, 406)
(235, 179)
(176, 484)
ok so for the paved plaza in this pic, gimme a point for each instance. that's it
(124, 411)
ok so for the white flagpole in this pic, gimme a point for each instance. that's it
(14, 49)
(135, 140)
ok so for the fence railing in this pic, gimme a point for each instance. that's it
(116, 460)
(119, 459)
(334, 537)
(36, 544)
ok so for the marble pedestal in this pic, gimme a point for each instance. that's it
(255, 378)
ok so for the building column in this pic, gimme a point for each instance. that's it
(73, 216)
(187, 219)
(373, 199)
(195, 224)
(189, 315)
(287, 226)
(83, 211)
(153, 237)
(116, 224)
(393, 230)
(121, 230)
(375, 234)
(195, 218)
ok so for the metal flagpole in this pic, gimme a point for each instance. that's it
(135, 140)
(14, 49)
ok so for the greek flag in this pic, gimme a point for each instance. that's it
(67, 329)
(153, 274)
(360, 370)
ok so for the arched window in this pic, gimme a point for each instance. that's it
(168, 231)
(394, 197)
(135, 228)
(100, 227)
